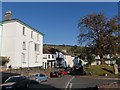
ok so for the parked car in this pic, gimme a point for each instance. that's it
(63, 72)
(55, 74)
(68, 70)
(39, 77)
(15, 82)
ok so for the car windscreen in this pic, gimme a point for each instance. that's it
(13, 79)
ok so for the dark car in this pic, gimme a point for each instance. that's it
(15, 83)
(55, 74)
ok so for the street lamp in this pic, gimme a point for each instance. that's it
(28, 53)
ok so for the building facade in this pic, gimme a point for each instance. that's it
(22, 44)
(69, 60)
(0, 37)
(56, 59)
(49, 61)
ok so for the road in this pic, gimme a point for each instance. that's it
(52, 83)
(71, 82)
(86, 82)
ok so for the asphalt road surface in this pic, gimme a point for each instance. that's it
(86, 82)
(71, 82)
(51, 84)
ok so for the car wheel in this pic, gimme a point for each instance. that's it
(39, 81)
(59, 76)
(27, 85)
(14, 88)
(47, 79)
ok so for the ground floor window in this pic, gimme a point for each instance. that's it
(23, 57)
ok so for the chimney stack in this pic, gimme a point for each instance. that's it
(8, 15)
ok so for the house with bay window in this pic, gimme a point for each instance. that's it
(22, 43)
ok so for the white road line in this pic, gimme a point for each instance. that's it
(70, 85)
(69, 82)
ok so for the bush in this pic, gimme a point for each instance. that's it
(3, 60)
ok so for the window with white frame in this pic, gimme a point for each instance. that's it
(31, 34)
(23, 58)
(23, 31)
(38, 37)
(37, 47)
(36, 58)
(52, 56)
(49, 56)
(24, 45)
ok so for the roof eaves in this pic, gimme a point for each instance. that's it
(22, 23)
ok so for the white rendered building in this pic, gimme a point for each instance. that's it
(49, 61)
(22, 44)
(69, 60)
(0, 37)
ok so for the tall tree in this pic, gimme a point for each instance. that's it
(99, 33)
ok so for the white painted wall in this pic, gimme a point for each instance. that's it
(13, 45)
(0, 37)
(96, 63)
(49, 56)
(69, 60)
(8, 42)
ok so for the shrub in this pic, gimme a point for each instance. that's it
(3, 60)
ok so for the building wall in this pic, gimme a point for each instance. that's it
(69, 60)
(48, 59)
(12, 47)
(0, 37)
(8, 42)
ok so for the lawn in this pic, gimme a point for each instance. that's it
(99, 70)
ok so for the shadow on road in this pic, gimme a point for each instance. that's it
(7, 75)
(34, 85)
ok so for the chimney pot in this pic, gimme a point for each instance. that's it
(8, 15)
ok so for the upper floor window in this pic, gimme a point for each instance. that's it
(23, 30)
(37, 47)
(49, 56)
(24, 45)
(31, 34)
(52, 56)
(38, 37)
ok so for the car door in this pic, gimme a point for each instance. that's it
(42, 77)
(22, 82)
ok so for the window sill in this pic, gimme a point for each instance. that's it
(36, 61)
(24, 62)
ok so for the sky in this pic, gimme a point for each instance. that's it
(58, 21)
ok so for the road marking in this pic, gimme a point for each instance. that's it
(69, 82)
(70, 85)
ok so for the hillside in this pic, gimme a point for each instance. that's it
(68, 49)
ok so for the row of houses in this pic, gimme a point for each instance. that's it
(23, 45)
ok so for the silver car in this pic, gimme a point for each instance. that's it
(39, 77)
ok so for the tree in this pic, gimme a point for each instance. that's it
(99, 34)
(3, 60)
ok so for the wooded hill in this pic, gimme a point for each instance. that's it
(68, 49)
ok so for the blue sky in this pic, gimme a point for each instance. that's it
(58, 20)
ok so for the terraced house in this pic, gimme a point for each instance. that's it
(21, 43)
